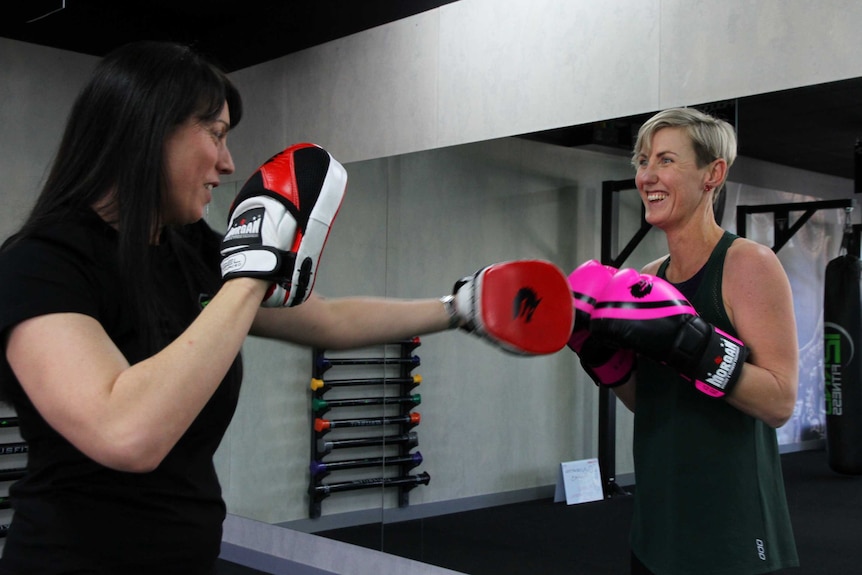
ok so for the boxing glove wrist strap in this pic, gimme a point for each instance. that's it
(709, 357)
(258, 262)
(448, 302)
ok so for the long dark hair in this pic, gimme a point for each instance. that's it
(112, 146)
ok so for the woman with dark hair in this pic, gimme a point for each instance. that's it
(111, 155)
(122, 339)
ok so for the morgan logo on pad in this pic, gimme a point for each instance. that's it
(525, 304)
(245, 228)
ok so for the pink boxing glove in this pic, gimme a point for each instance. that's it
(650, 316)
(605, 364)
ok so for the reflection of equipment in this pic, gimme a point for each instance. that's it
(842, 331)
(857, 167)
(325, 363)
(324, 386)
(321, 425)
(409, 440)
(841, 310)
(378, 429)
(408, 481)
(318, 467)
(321, 405)
(8, 473)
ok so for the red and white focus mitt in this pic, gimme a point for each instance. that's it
(523, 307)
(280, 220)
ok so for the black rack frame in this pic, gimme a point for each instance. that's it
(406, 420)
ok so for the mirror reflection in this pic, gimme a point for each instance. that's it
(492, 429)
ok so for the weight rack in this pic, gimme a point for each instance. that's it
(393, 415)
(9, 452)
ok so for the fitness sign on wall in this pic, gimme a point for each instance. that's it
(839, 351)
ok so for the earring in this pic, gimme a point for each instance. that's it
(707, 188)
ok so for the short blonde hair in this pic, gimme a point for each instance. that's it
(711, 137)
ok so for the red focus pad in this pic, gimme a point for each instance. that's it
(525, 307)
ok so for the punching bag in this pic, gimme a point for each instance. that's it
(842, 343)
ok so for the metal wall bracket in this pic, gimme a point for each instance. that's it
(607, 400)
(783, 229)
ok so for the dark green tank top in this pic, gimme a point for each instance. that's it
(709, 492)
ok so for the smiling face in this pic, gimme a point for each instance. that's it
(671, 184)
(196, 155)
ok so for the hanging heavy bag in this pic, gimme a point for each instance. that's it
(842, 333)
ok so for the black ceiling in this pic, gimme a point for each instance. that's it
(814, 128)
(235, 33)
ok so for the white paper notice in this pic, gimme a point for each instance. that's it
(579, 481)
